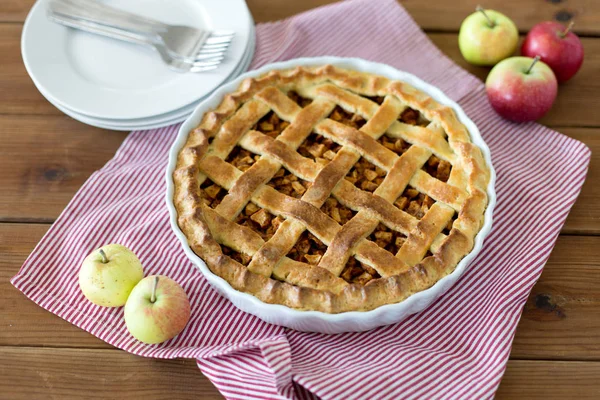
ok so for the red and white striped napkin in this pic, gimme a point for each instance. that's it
(457, 348)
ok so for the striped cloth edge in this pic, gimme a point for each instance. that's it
(457, 348)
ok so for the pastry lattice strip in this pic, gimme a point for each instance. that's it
(282, 151)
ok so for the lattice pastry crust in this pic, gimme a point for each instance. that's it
(326, 189)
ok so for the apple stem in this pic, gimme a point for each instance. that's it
(153, 297)
(536, 59)
(481, 10)
(566, 31)
(104, 258)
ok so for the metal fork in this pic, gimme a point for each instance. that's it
(189, 44)
(178, 64)
(184, 41)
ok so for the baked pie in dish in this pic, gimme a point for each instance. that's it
(327, 189)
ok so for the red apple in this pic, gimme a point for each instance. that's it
(157, 310)
(521, 88)
(557, 46)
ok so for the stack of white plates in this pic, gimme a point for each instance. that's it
(117, 85)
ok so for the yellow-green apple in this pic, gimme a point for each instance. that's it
(487, 37)
(108, 275)
(521, 88)
(157, 310)
(557, 46)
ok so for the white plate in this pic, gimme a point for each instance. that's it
(105, 78)
(159, 120)
(316, 321)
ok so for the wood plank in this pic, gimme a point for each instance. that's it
(431, 15)
(50, 158)
(561, 319)
(102, 374)
(15, 10)
(550, 380)
(585, 214)
(22, 322)
(574, 106)
(98, 374)
(45, 160)
(577, 99)
(448, 15)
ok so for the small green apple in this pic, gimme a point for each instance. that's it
(487, 37)
(108, 275)
(157, 310)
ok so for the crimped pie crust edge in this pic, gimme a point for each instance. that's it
(354, 297)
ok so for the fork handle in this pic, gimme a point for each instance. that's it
(99, 29)
(118, 14)
(98, 13)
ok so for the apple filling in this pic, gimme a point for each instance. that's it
(319, 148)
(437, 168)
(338, 212)
(308, 249)
(271, 125)
(384, 237)
(413, 117)
(242, 159)
(364, 175)
(398, 146)
(296, 98)
(211, 193)
(344, 117)
(289, 184)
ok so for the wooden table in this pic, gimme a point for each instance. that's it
(45, 157)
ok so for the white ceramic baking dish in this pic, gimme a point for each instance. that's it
(315, 321)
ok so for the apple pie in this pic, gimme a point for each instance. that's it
(321, 188)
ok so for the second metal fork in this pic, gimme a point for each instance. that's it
(188, 49)
(174, 63)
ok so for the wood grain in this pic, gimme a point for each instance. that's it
(585, 214)
(543, 380)
(36, 373)
(56, 373)
(45, 160)
(561, 319)
(38, 184)
(575, 105)
(577, 99)
(448, 15)
(22, 322)
(431, 15)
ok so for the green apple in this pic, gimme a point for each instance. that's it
(108, 275)
(157, 310)
(487, 37)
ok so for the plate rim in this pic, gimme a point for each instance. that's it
(27, 52)
(246, 62)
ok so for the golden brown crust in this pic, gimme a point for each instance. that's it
(271, 276)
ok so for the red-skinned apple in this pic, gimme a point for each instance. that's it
(557, 46)
(521, 88)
